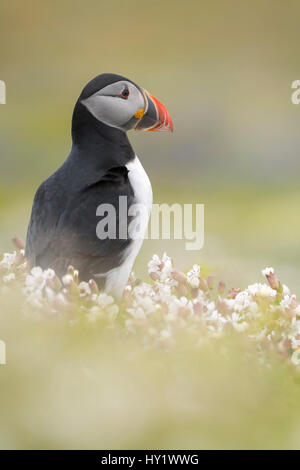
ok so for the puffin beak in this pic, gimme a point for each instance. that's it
(155, 116)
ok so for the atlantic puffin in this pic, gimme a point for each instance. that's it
(102, 168)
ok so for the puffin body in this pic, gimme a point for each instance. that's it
(103, 171)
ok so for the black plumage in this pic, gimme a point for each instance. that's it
(62, 228)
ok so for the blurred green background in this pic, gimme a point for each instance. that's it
(224, 71)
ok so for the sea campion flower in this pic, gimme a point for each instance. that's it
(267, 314)
(271, 278)
(161, 269)
(181, 306)
(106, 306)
(288, 301)
(193, 276)
(154, 267)
(267, 271)
(261, 290)
(84, 289)
(37, 278)
(10, 277)
(295, 343)
(8, 260)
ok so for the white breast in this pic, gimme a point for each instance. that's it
(117, 278)
(140, 183)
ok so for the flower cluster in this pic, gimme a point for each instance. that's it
(173, 302)
(44, 293)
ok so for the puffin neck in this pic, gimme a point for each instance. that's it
(95, 141)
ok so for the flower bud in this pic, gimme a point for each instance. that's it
(19, 243)
(93, 286)
(154, 276)
(194, 292)
(211, 281)
(233, 293)
(273, 281)
(198, 308)
(178, 276)
(181, 289)
(221, 287)
(203, 284)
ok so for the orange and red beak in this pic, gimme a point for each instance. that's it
(156, 117)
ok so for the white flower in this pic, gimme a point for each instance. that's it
(175, 305)
(143, 290)
(295, 327)
(167, 269)
(267, 271)
(37, 278)
(84, 289)
(230, 303)
(67, 279)
(295, 343)
(10, 277)
(104, 299)
(137, 313)
(285, 290)
(211, 306)
(262, 290)
(163, 293)
(144, 298)
(156, 310)
(162, 269)
(49, 274)
(193, 276)
(154, 265)
(235, 317)
(106, 306)
(242, 301)
(8, 260)
(286, 301)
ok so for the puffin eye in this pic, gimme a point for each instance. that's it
(125, 93)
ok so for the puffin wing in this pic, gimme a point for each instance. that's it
(62, 229)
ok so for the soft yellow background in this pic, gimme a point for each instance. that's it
(224, 70)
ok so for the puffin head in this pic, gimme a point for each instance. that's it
(119, 103)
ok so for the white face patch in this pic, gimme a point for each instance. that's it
(108, 106)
